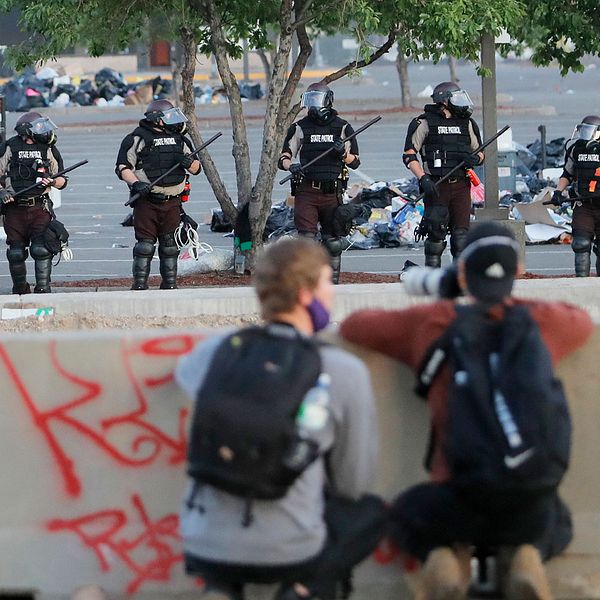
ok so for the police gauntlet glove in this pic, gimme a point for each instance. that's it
(470, 160)
(339, 147)
(295, 169)
(141, 188)
(428, 187)
(184, 160)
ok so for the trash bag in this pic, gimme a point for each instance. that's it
(251, 91)
(389, 237)
(377, 198)
(280, 222)
(14, 95)
(220, 223)
(220, 259)
(110, 75)
(345, 215)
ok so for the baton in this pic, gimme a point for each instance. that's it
(462, 163)
(175, 166)
(59, 174)
(570, 199)
(346, 139)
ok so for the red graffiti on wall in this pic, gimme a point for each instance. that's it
(149, 553)
(146, 441)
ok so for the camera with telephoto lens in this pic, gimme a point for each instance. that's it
(427, 281)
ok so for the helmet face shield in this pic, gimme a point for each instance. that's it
(173, 116)
(585, 131)
(460, 99)
(314, 99)
(43, 125)
(460, 104)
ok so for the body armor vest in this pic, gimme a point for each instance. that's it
(447, 140)
(316, 139)
(27, 163)
(160, 152)
(586, 156)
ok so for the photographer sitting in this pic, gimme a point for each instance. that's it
(439, 522)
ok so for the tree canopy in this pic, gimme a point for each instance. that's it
(421, 28)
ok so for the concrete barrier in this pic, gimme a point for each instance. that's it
(92, 448)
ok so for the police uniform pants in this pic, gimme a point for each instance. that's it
(456, 197)
(354, 531)
(431, 515)
(311, 207)
(153, 219)
(586, 220)
(23, 223)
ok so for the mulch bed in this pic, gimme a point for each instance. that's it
(216, 279)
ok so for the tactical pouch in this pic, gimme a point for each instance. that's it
(55, 237)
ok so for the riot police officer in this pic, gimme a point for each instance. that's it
(25, 159)
(444, 135)
(318, 189)
(582, 168)
(157, 144)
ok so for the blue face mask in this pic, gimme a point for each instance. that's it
(319, 315)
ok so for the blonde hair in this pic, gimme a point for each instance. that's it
(283, 269)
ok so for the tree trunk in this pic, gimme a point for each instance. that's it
(241, 153)
(189, 108)
(402, 68)
(452, 63)
(176, 66)
(266, 66)
(280, 94)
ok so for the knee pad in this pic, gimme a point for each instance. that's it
(39, 251)
(16, 253)
(582, 244)
(437, 223)
(144, 248)
(334, 245)
(167, 246)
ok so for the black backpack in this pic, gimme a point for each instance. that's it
(509, 428)
(243, 437)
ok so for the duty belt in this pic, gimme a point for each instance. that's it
(451, 180)
(160, 198)
(327, 187)
(32, 201)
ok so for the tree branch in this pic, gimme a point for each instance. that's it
(359, 64)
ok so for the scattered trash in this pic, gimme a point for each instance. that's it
(218, 259)
(119, 246)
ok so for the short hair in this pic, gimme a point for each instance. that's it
(283, 269)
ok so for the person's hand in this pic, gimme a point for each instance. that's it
(185, 160)
(339, 147)
(557, 199)
(428, 187)
(46, 182)
(141, 189)
(470, 160)
(6, 197)
(295, 169)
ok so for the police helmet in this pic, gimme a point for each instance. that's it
(162, 114)
(588, 129)
(40, 129)
(317, 95)
(456, 99)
